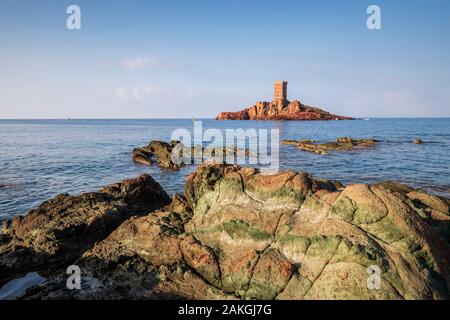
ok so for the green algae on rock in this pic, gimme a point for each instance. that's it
(239, 234)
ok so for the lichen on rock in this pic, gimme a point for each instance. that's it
(239, 234)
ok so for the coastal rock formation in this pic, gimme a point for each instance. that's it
(239, 234)
(61, 229)
(341, 144)
(280, 111)
(160, 150)
(175, 155)
(142, 156)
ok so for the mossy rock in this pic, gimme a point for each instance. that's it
(385, 229)
(366, 256)
(323, 245)
(344, 208)
(237, 229)
(270, 276)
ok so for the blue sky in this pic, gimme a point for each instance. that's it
(172, 59)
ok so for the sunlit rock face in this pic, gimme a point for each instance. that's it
(280, 111)
(60, 230)
(239, 234)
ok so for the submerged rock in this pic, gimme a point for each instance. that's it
(159, 150)
(140, 155)
(239, 234)
(61, 229)
(418, 141)
(341, 144)
(175, 155)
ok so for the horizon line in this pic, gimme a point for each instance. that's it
(206, 118)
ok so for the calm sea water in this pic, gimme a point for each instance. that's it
(42, 158)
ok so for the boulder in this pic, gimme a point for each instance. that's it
(140, 155)
(148, 257)
(321, 240)
(61, 229)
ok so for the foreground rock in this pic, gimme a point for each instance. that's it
(238, 234)
(275, 111)
(63, 228)
(175, 155)
(341, 144)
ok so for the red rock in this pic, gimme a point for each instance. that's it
(272, 111)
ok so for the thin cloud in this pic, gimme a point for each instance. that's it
(140, 93)
(140, 62)
(191, 93)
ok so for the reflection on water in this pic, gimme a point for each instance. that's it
(41, 158)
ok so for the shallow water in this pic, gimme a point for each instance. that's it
(42, 158)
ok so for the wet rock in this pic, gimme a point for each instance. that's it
(61, 229)
(418, 141)
(163, 152)
(175, 155)
(158, 151)
(142, 156)
(341, 144)
(290, 142)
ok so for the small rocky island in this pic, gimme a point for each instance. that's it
(280, 109)
(235, 234)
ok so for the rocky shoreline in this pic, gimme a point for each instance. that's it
(235, 234)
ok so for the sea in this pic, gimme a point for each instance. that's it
(40, 159)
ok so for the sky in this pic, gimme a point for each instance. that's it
(196, 58)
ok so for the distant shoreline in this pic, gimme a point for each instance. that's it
(187, 118)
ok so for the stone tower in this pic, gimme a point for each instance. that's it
(280, 93)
